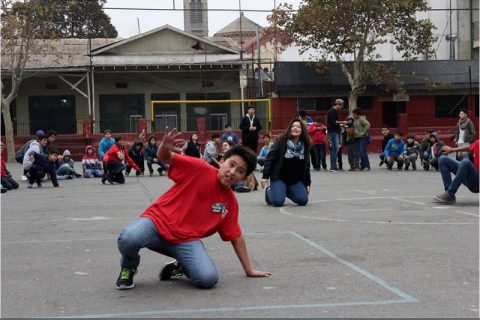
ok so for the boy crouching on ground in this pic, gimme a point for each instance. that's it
(199, 204)
(41, 165)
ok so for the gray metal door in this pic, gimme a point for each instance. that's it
(166, 120)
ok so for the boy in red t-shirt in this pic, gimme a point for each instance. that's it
(465, 172)
(199, 204)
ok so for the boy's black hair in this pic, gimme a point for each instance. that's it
(399, 133)
(228, 125)
(107, 131)
(53, 151)
(40, 137)
(464, 111)
(251, 106)
(428, 131)
(51, 133)
(319, 119)
(118, 139)
(246, 154)
(357, 111)
(385, 127)
(302, 113)
(411, 136)
(215, 135)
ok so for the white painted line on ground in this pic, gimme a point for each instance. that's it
(57, 240)
(468, 214)
(410, 201)
(363, 191)
(356, 268)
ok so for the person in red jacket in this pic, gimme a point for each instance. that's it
(114, 158)
(317, 131)
(7, 181)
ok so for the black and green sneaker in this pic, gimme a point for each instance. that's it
(125, 279)
(171, 270)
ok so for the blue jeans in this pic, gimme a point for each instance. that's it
(192, 256)
(93, 173)
(362, 148)
(334, 139)
(65, 170)
(278, 190)
(464, 171)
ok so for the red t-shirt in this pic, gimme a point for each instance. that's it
(196, 206)
(474, 148)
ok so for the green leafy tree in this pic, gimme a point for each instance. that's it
(350, 31)
(78, 19)
(21, 24)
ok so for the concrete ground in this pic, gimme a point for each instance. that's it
(368, 244)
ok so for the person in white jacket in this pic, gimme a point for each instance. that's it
(35, 146)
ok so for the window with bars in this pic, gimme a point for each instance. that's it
(449, 106)
(196, 13)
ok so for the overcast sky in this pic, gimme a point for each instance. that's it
(125, 21)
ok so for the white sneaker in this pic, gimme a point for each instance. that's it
(24, 178)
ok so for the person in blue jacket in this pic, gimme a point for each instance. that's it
(393, 151)
(105, 144)
(151, 156)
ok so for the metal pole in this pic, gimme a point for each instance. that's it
(241, 31)
(470, 106)
(260, 84)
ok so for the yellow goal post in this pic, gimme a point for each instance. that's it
(265, 115)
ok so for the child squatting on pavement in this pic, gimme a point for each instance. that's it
(199, 204)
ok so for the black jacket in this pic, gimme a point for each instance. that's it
(274, 161)
(332, 118)
(42, 165)
(136, 155)
(245, 126)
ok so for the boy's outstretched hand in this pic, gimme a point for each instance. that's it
(169, 145)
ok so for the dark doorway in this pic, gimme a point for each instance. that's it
(52, 112)
(120, 113)
(390, 111)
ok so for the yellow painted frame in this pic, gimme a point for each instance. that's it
(267, 101)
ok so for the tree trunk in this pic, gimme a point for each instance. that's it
(7, 117)
(352, 101)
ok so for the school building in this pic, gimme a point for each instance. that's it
(80, 87)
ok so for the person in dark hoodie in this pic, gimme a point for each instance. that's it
(114, 159)
(151, 156)
(136, 154)
(435, 149)
(42, 164)
(287, 166)
(91, 165)
(66, 167)
(192, 147)
(387, 136)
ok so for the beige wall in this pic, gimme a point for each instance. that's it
(146, 83)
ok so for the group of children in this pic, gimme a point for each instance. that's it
(405, 153)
